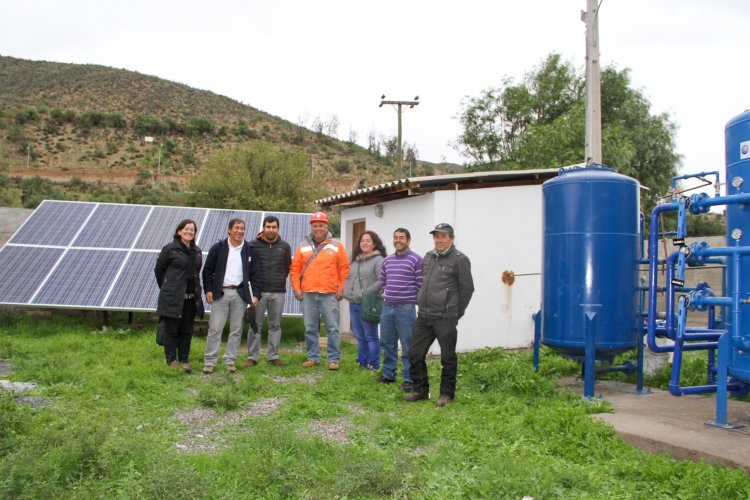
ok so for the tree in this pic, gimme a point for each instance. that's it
(540, 122)
(255, 178)
(332, 126)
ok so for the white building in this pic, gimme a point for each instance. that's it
(497, 217)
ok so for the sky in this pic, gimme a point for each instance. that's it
(305, 59)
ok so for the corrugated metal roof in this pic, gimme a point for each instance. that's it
(411, 186)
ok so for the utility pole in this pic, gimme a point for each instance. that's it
(399, 105)
(151, 140)
(593, 84)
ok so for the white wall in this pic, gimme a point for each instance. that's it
(498, 229)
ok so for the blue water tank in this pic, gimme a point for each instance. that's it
(590, 261)
(737, 151)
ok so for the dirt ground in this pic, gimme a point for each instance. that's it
(108, 176)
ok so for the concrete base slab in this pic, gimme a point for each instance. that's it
(662, 423)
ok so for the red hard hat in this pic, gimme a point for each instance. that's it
(319, 217)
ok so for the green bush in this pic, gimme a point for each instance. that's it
(92, 119)
(199, 126)
(27, 116)
(147, 125)
(342, 166)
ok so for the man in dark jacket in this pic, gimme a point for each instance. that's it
(447, 287)
(230, 281)
(274, 256)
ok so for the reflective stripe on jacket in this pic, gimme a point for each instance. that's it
(328, 270)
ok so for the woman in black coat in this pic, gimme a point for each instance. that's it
(177, 273)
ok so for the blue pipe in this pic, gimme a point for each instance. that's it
(731, 199)
(537, 316)
(690, 176)
(653, 254)
(735, 301)
(691, 334)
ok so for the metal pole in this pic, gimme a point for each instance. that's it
(399, 105)
(593, 85)
(398, 151)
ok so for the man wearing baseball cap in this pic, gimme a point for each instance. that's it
(318, 272)
(447, 287)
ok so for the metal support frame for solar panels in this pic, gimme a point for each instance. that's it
(39, 260)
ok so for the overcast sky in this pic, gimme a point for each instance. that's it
(303, 59)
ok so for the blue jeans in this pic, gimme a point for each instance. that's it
(396, 324)
(368, 344)
(315, 306)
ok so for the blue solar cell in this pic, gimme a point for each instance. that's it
(23, 269)
(113, 226)
(82, 278)
(53, 223)
(162, 222)
(215, 227)
(136, 287)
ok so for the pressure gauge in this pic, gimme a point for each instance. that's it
(737, 181)
(736, 234)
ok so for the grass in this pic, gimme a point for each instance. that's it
(112, 429)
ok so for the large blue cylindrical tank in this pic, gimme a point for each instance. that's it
(737, 150)
(590, 261)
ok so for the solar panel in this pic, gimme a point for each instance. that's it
(161, 223)
(85, 255)
(53, 223)
(22, 270)
(112, 226)
(136, 286)
(81, 279)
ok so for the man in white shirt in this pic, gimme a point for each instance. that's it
(231, 282)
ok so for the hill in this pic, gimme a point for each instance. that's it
(84, 127)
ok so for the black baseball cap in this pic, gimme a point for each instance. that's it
(443, 228)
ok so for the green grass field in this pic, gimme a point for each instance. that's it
(115, 422)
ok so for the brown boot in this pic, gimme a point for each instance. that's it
(412, 397)
(276, 362)
(444, 400)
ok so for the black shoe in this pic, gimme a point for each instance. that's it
(416, 396)
(407, 386)
(385, 380)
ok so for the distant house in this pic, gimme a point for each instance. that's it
(497, 217)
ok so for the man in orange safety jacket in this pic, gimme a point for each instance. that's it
(319, 269)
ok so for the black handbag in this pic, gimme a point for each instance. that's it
(160, 331)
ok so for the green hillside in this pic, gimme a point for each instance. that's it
(81, 129)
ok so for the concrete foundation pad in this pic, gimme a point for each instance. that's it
(662, 423)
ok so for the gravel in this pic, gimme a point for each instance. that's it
(203, 434)
(6, 368)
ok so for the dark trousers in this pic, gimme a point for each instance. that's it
(424, 334)
(178, 332)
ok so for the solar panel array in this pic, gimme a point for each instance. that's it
(83, 255)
